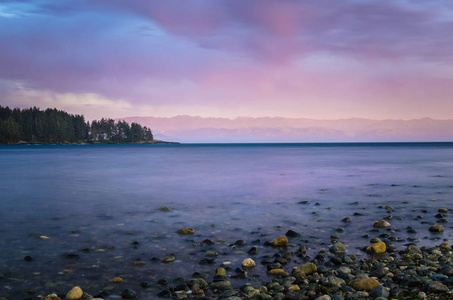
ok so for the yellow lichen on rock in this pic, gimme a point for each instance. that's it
(186, 230)
(281, 241)
(378, 247)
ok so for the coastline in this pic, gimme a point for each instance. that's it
(154, 142)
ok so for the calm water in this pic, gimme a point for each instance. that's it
(105, 198)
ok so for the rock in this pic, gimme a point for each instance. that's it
(379, 247)
(164, 208)
(291, 233)
(220, 272)
(364, 284)
(248, 263)
(168, 259)
(129, 294)
(220, 285)
(337, 247)
(117, 279)
(421, 295)
(412, 249)
(445, 246)
(346, 220)
(186, 230)
(275, 271)
(75, 293)
(281, 241)
(436, 228)
(380, 291)
(335, 281)
(381, 224)
(324, 297)
(359, 295)
(443, 210)
(253, 250)
(51, 297)
(306, 269)
(435, 287)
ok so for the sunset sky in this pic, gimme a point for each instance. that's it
(306, 59)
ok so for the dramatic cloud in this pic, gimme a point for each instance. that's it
(317, 59)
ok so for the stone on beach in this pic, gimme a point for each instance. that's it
(248, 263)
(364, 284)
(378, 247)
(281, 241)
(337, 247)
(381, 224)
(186, 230)
(75, 293)
(305, 269)
(436, 228)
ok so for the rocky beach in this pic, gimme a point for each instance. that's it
(389, 265)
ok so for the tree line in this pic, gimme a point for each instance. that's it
(32, 125)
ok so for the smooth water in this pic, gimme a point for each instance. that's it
(103, 198)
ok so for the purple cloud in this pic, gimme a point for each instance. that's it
(206, 52)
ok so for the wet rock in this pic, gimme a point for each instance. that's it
(436, 228)
(28, 258)
(186, 230)
(208, 261)
(253, 250)
(380, 291)
(411, 249)
(164, 208)
(378, 247)
(443, 210)
(291, 233)
(445, 246)
(75, 293)
(248, 263)
(146, 284)
(129, 294)
(337, 247)
(346, 220)
(220, 272)
(72, 256)
(381, 224)
(220, 285)
(364, 284)
(305, 269)
(281, 241)
(435, 287)
(168, 259)
(50, 297)
(117, 279)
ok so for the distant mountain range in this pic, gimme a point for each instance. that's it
(190, 129)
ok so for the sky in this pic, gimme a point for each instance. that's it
(227, 58)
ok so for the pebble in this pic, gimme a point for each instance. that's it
(75, 293)
(186, 230)
(248, 263)
(381, 224)
(281, 241)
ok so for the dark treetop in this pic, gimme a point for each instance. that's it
(32, 125)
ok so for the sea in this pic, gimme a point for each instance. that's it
(86, 214)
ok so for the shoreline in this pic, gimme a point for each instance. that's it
(385, 272)
(155, 142)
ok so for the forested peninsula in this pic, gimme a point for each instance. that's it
(52, 126)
